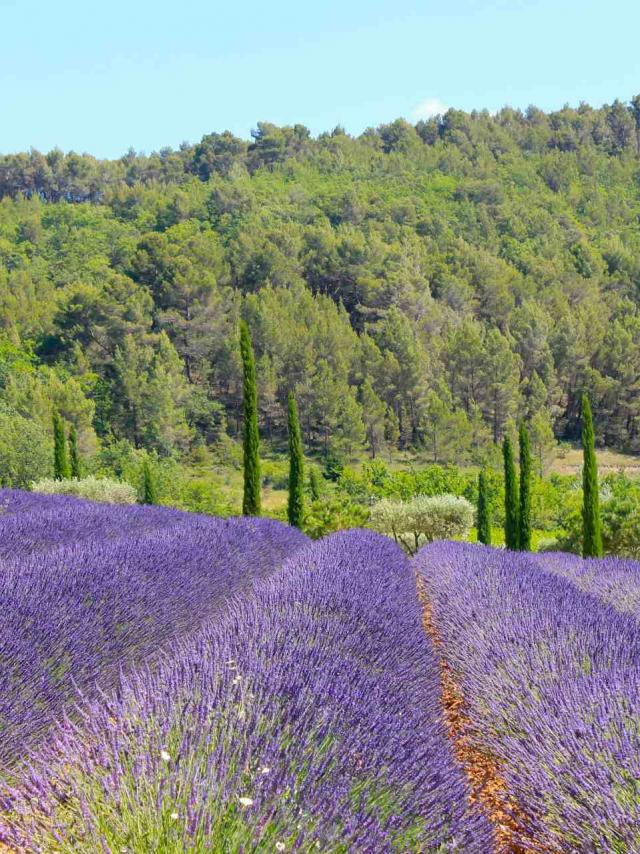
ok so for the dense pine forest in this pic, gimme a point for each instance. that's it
(417, 287)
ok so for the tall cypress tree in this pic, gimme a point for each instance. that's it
(295, 507)
(251, 438)
(61, 469)
(74, 453)
(591, 530)
(524, 514)
(484, 511)
(149, 491)
(510, 496)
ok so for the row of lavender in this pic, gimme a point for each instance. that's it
(87, 591)
(615, 581)
(550, 674)
(30, 522)
(308, 718)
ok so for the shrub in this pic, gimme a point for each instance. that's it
(423, 519)
(275, 473)
(333, 513)
(91, 488)
(26, 451)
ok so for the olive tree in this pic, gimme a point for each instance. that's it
(423, 519)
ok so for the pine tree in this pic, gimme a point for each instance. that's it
(251, 438)
(149, 491)
(74, 453)
(295, 508)
(510, 496)
(484, 511)
(60, 460)
(524, 514)
(591, 530)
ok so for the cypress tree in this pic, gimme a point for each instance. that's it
(315, 487)
(74, 453)
(484, 511)
(251, 438)
(295, 507)
(524, 514)
(60, 460)
(591, 530)
(149, 491)
(510, 496)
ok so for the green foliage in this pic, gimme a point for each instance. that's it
(621, 516)
(149, 490)
(275, 472)
(591, 524)
(74, 453)
(61, 469)
(550, 497)
(333, 466)
(315, 483)
(510, 496)
(91, 488)
(200, 489)
(524, 510)
(295, 504)
(26, 451)
(333, 513)
(374, 480)
(251, 440)
(424, 518)
(484, 510)
(419, 289)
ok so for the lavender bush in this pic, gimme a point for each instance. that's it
(32, 522)
(615, 581)
(550, 674)
(308, 718)
(93, 590)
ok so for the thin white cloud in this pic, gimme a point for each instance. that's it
(428, 108)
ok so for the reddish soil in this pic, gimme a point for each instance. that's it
(488, 787)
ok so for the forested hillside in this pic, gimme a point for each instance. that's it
(415, 286)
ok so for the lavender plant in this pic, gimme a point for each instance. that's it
(306, 719)
(92, 590)
(550, 676)
(615, 581)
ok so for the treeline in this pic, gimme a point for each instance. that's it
(58, 176)
(423, 286)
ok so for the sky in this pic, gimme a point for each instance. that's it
(106, 77)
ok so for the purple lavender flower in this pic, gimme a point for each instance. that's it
(307, 717)
(550, 675)
(88, 591)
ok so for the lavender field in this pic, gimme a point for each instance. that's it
(171, 682)
(88, 591)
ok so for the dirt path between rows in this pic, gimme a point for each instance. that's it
(488, 787)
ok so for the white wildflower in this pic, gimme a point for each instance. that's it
(265, 770)
(280, 846)
(165, 756)
(246, 802)
(174, 816)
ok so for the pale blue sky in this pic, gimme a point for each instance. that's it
(104, 77)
